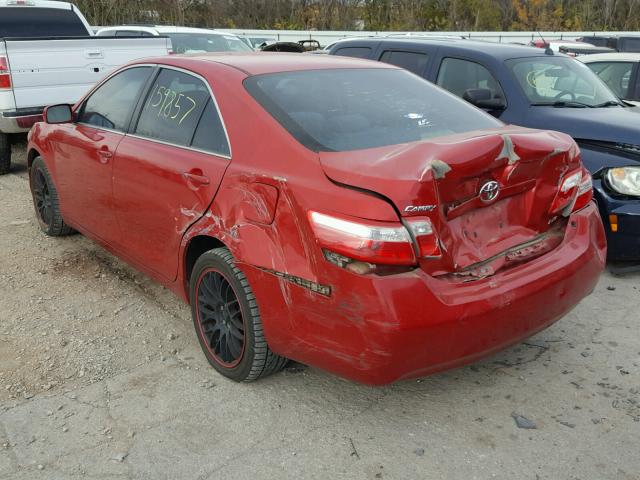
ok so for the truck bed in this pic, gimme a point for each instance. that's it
(47, 71)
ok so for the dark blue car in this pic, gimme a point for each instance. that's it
(538, 89)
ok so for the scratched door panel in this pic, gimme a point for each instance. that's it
(168, 169)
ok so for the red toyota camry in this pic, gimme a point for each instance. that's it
(345, 214)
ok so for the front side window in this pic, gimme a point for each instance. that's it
(560, 81)
(617, 76)
(413, 61)
(353, 109)
(458, 76)
(205, 42)
(111, 105)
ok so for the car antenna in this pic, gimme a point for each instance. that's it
(547, 47)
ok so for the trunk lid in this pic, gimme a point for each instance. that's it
(486, 192)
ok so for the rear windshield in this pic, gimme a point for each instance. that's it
(354, 109)
(40, 22)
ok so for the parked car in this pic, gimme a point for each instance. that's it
(620, 43)
(183, 39)
(538, 89)
(37, 67)
(288, 47)
(342, 213)
(301, 46)
(619, 71)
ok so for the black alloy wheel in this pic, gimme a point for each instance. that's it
(45, 200)
(42, 198)
(227, 319)
(220, 318)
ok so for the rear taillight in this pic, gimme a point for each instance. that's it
(563, 202)
(425, 237)
(5, 75)
(360, 246)
(575, 192)
(370, 242)
(585, 191)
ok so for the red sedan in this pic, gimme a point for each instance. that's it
(343, 213)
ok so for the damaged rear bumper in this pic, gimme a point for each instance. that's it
(378, 330)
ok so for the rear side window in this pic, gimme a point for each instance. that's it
(356, 52)
(630, 44)
(210, 135)
(111, 105)
(617, 76)
(413, 61)
(353, 109)
(180, 111)
(40, 22)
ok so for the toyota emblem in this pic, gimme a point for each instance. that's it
(489, 191)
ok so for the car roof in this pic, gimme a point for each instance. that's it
(611, 57)
(501, 51)
(163, 29)
(258, 63)
(174, 29)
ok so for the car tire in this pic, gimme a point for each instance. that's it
(46, 201)
(5, 154)
(227, 319)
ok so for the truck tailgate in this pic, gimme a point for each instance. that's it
(49, 71)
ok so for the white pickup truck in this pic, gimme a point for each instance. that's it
(49, 55)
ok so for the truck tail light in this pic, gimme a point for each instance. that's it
(347, 240)
(425, 237)
(5, 75)
(585, 191)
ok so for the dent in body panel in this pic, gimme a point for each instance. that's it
(438, 167)
(508, 151)
(260, 221)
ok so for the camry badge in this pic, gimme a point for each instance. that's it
(419, 208)
(489, 191)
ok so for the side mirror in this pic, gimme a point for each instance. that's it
(58, 114)
(483, 98)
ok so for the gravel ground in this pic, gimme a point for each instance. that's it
(101, 377)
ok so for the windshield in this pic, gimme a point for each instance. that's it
(203, 42)
(353, 109)
(560, 81)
